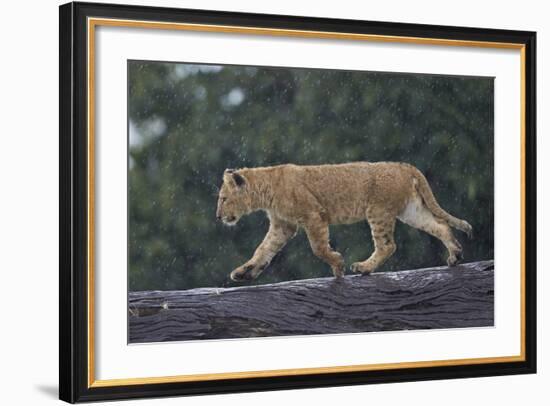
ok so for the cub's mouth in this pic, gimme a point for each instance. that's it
(230, 220)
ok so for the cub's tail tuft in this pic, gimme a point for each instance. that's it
(467, 228)
(425, 191)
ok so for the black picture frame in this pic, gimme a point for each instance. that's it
(74, 384)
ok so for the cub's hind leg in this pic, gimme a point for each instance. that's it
(382, 225)
(417, 215)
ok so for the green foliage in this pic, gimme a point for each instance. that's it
(190, 122)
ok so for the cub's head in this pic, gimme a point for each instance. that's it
(233, 198)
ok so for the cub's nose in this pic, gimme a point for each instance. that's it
(218, 217)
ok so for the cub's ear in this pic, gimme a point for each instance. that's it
(239, 180)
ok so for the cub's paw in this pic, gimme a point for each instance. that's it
(242, 273)
(361, 267)
(246, 272)
(455, 259)
(338, 272)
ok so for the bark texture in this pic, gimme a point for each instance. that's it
(430, 298)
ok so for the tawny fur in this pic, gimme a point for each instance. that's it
(314, 197)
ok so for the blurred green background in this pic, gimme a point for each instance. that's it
(187, 123)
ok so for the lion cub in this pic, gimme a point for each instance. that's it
(313, 197)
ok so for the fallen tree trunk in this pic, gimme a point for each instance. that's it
(443, 297)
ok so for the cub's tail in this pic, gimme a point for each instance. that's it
(425, 191)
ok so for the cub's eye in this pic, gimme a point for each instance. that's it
(223, 199)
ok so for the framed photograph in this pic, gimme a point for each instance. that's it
(256, 202)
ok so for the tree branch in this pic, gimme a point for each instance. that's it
(430, 298)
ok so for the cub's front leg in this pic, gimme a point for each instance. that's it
(318, 235)
(276, 238)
